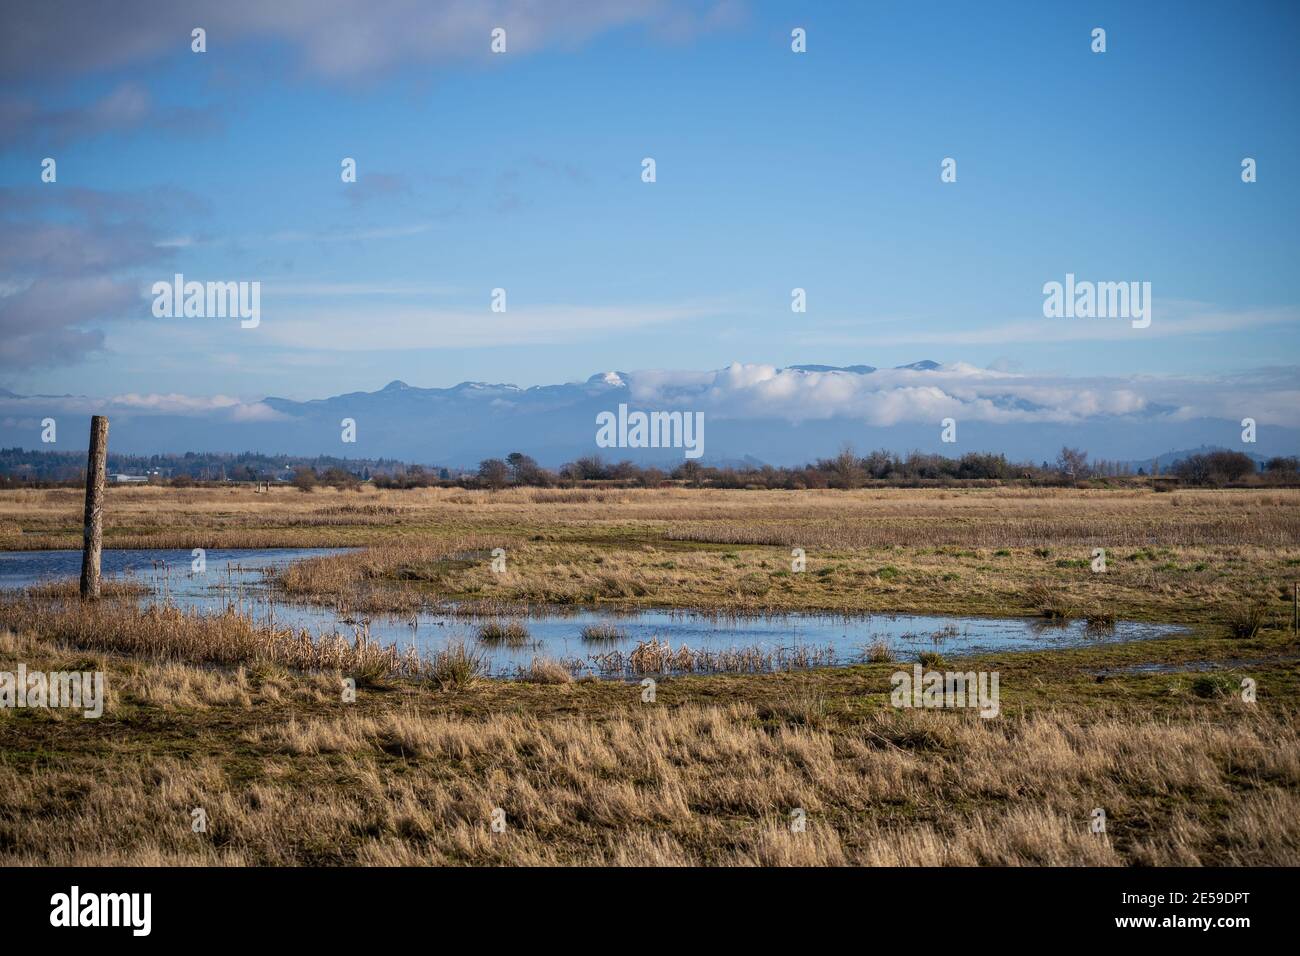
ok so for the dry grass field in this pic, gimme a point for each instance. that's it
(1189, 556)
(249, 723)
(586, 773)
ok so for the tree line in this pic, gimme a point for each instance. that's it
(845, 470)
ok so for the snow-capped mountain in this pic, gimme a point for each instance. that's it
(781, 416)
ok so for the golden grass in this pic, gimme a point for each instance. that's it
(660, 657)
(454, 665)
(598, 633)
(542, 670)
(1006, 518)
(595, 777)
(246, 721)
(172, 634)
(1011, 517)
(70, 588)
(878, 652)
(1186, 556)
(508, 633)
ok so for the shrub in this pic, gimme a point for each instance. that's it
(1247, 617)
(1215, 467)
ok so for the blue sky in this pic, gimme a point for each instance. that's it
(775, 170)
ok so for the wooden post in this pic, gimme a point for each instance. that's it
(93, 538)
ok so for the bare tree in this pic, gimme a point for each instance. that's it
(846, 468)
(1072, 462)
(304, 478)
(494, 473)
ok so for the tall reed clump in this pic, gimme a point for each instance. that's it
(543, 670)
(1100, 619)
(1049, 600)
(71, 588)
(231, 638)
(393, 577)
(455, 665)
(510, 633)
(878, 652)
(598, 633)
(1247, 617)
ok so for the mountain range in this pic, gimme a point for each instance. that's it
(753, 414)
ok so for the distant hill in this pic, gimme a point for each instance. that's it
(754, 414)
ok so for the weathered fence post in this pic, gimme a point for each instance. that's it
(93, 538)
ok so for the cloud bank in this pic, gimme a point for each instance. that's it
(882, 398)
(902, 396)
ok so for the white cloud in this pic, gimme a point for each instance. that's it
(895, 396)
(883, 398)
(215, 407)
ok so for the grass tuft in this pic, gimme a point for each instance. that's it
(542, 670)
(455, 666)
(509, 633)
(878, 652)
(1049, 600)
(1247, 617)
(603, 633)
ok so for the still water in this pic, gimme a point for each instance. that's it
(239, 578)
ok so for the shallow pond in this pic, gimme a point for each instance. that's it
(238, 577)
